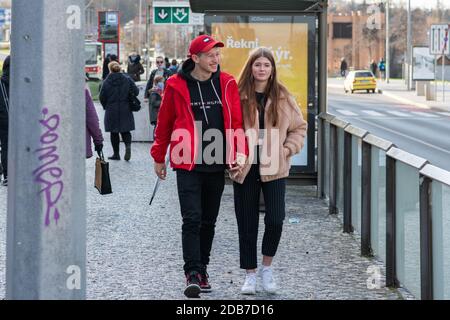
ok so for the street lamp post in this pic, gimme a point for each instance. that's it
(140, 27)
(408, 47)
(388, 55)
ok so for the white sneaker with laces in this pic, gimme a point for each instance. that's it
(268, 281)
(249, 287)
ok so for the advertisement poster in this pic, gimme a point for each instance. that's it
(112, 48)
(108, 26)
(423, 64)
(289, 38)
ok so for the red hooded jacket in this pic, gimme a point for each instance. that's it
(176, 124)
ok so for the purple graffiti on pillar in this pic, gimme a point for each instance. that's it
(49, 174)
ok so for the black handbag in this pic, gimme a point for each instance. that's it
(133, 101)
(102, 180)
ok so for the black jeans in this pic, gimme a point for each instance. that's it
(115, 140)
(199, 194)
(246, 204)
(4, 152)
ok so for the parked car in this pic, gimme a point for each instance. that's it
(360, 80)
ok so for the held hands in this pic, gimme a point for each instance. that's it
(161, 170)
(235, 169)
(237, 166)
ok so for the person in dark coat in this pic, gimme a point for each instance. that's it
(93, 131)
(374, 68)
(119, 119)
(167, 63)
(344, 67)
(135, 68)
(109, 58)
(4, 116)
(105, 66)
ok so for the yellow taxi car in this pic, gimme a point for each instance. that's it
(360, 80)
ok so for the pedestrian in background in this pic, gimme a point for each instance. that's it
(93, 131)
(382, 68)
(180, 66)
(167, 63)
(155, 98)
(199, 94)
(374, 68)
(159, 71)
(4, 118)
(271, 114)
(344, 67)
(119, 119)
(109, 58)
(173, 67)
(135, 67)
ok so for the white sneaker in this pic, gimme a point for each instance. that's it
(268, 281)
(249, 286)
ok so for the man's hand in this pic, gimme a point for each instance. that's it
(161, 170)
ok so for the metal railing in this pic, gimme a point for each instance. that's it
(397, 202)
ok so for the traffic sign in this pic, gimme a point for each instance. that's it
(439, 34)
(197, 19)
(180, 15)
(175, 13)
(162, 15)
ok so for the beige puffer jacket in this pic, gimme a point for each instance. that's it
(279, 143)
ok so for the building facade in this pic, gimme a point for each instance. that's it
(357, 37)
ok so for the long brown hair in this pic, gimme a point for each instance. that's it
(275, 91)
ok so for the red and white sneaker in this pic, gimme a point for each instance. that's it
(205, 286)
(192, 289)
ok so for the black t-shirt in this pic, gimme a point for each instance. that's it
(207, 108)
(261, 99)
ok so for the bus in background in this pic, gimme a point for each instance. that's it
(94, 59)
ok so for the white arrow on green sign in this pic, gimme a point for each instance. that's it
(180, 15)
(162, 15)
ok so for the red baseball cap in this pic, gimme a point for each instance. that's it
(203, 43)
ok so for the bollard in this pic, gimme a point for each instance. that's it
(430, 92)
(46, 221)
(420, 88)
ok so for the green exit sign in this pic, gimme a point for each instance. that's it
(180, 15)
(162, 15)
(171, 15)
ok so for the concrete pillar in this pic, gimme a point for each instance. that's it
(46, 222)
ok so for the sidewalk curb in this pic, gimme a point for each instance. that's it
(404, 100)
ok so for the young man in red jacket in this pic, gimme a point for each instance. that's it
(200, 100)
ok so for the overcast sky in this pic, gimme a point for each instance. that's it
(425, 3)
(414, 3)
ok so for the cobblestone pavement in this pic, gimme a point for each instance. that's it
(134, 250)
